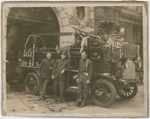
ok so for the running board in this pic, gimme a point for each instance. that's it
(72, 88)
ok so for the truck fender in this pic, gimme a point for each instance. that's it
(27, 71)
(37, 72)
(108, 77)
(105, 76)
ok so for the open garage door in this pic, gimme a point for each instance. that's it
(20, 24)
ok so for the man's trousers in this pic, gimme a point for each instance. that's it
(43, 84)
(83, 92)
(58, 88)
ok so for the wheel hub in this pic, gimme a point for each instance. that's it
(100, 93)
(127, 88)
(32, 84)
(103, 93)
(31, 81)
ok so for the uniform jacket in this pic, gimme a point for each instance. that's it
(44, 67)
(85, 67)
(138, 65)
(59, 65)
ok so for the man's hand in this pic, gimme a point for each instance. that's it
(75, 76)
(62, 71)
(50, 68)
(77, 80)
(88, 81)
(52, 77)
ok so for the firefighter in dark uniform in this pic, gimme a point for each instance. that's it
(45, 70)
(139, 69)
(59, 74)
(83, 79)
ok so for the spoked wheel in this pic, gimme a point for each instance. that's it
(103, 93)
(32, 83)
(128, 91)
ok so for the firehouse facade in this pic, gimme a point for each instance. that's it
(127, 20)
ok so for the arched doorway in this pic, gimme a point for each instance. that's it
(21, 23)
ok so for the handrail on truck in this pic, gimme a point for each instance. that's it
(33, 36)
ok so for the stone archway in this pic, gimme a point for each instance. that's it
(63, 22)
(64, 26)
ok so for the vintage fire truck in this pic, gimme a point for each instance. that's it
(114, 71)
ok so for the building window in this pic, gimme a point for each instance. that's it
(80, 12)
(127, 33)
(137, 34)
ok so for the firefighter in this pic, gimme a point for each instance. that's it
(45, 70)
(83, 79)
(138, 69)
(59, 74)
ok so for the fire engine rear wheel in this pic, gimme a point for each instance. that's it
(128, 91)
(32, 83)
(103, 93)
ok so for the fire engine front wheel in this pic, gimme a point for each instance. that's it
(103, 93)
(128, 91)
(32, 83)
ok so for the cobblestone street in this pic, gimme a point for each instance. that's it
(21, 102)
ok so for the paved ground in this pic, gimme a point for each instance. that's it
(21, 102)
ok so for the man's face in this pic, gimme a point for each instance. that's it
(83, 55)
(49, 56)
(63, 56)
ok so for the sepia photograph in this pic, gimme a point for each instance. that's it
(74, 59)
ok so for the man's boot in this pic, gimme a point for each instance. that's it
(42, 97)
(77, 103)
(83, 104)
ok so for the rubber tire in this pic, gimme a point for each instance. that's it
(37, 80)
(112, 88)
(131, 96)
